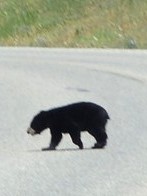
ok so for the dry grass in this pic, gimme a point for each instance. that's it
(78, 23)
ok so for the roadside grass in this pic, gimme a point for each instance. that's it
(74, 23)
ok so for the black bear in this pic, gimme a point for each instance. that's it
(72, 119)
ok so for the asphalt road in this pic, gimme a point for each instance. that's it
(35, 79)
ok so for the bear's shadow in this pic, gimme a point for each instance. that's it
(64, 150)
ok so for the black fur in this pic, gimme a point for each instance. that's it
(73, 119)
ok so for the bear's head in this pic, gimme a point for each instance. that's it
(38, 124)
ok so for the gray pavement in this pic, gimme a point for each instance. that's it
(32, 79)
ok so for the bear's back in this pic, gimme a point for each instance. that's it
(79, 112)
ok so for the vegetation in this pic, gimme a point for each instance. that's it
(74, 23)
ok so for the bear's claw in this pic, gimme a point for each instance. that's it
(48, 148)
(99, 145)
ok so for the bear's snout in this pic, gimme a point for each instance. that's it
(31, 131)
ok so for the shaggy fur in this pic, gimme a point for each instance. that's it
(72, 119)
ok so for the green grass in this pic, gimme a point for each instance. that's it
(74, 23)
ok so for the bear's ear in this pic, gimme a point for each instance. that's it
(42, 112)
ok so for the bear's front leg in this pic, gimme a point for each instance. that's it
(55, 139)
(48, 148)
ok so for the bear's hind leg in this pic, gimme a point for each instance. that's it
(101, 137)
